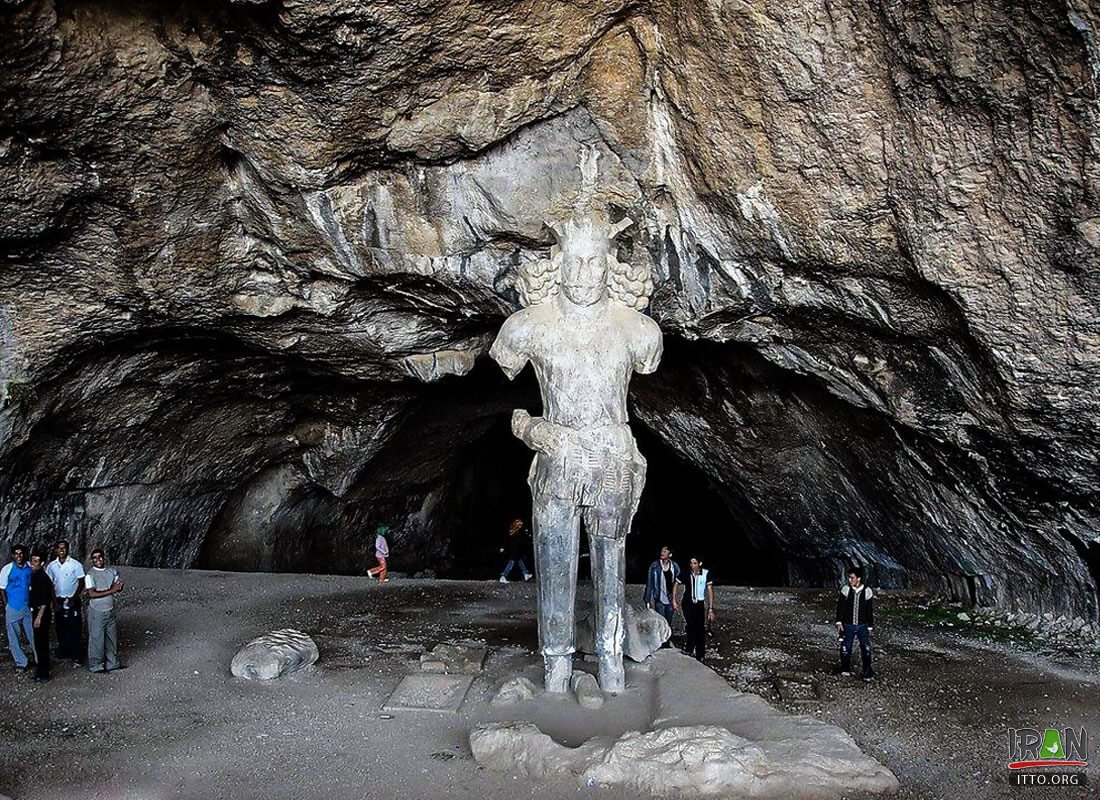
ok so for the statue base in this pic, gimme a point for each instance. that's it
(681, 730)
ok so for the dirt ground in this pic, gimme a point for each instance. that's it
(176, 724)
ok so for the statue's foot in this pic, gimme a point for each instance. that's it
(559, 669)
(612, 675)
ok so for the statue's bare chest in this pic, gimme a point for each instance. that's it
(598, 349)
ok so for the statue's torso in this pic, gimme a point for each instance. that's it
(583, 362)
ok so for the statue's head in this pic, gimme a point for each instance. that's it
(583, 267)
(584, 247)
(584, 280)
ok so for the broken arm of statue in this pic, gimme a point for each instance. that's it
(536, 432)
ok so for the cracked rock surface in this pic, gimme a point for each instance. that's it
(247, 249)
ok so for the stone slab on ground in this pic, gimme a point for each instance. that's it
(420, 692)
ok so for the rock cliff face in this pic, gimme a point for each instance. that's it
(247, 248)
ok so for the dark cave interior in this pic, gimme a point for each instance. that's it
(679, 508)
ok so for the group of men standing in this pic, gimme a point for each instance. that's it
(666, 592)
(34, 593)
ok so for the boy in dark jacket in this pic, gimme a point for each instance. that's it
(41, 603)
(855, 618)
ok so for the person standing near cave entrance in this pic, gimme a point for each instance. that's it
(15, 591)
(698, 607)
(381, 552)
(102, 583)
(67, 575)
(660, 586)
(855, 618)
(515, 548)
(41, 603)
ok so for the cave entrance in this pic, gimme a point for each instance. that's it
(1090, 554)
(679, 508)
(490, 490)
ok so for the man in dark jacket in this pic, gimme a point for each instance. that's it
(660, 586)
(855, 618)
(515, 548)
(41, 603)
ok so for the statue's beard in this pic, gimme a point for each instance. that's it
(583, 295)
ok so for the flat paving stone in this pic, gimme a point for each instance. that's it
(427, 692)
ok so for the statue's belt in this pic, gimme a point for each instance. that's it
(594, 455)
(613, 438)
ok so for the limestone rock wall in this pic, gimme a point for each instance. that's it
(233, 235)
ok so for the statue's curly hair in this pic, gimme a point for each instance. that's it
(629, 284)
(539, 279)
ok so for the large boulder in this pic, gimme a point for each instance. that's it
(698, 760)
(274, 655)
(644, 631)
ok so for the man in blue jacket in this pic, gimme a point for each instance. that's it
(660, 594)
(15, 591)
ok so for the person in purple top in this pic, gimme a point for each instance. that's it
(15, 592)
(381, 552)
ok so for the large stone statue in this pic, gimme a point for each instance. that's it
(583, 332)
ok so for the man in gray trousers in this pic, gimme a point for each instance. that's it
(102, 584)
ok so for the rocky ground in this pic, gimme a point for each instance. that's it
(175, 724)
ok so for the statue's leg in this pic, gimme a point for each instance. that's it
(557, 538)
(607, 523)
(608, 558)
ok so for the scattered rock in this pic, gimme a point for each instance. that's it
(453, 659)
(515, 690)
(766, 655)
(586, 690)
(644, 631)
(1076, 632)
(274, 655)
(797, 688)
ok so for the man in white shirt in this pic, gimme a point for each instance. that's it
(67, 575)
(698, 607)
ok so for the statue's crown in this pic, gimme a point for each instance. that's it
(589, 232)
